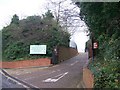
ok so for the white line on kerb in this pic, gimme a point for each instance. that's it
(55, 78)
(14, 80)
(18, 81)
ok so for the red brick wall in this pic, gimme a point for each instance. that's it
(65, 53)
(88, 78)
(26, 63)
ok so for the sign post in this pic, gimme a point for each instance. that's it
(95, 45)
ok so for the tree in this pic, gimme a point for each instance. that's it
(49, 15)
(66, 14)
(103, 20)
(15, 19)
(34, 30)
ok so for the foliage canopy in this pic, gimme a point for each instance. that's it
(34, 30)
(103, 20)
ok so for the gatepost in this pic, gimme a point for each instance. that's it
(55, 55)
(95, 47)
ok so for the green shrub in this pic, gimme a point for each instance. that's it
(107, 74)
(34, 30)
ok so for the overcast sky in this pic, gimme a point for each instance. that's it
(24, 8)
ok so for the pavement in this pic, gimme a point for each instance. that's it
(8, 82)
(67, 74)
(21, 71)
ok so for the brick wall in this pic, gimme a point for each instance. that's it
(88, 78)
(65, 53)
(26, 63)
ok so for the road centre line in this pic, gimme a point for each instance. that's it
(74, 63)
(58, 70)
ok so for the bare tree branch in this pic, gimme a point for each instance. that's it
(66, 13)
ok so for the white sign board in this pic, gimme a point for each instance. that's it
(38, 49)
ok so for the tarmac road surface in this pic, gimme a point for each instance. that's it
(67, 74)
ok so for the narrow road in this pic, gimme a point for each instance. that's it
(67, 74)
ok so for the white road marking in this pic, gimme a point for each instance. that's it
(74, 63)
(28, 72)
(29, 78)
(58, 70)
(14, 80)
(31, 84)
(18, 81)
(55, 78)
(17, 73)
(55, 66)
(39, 75)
